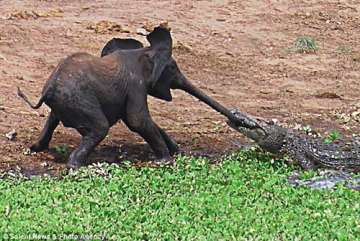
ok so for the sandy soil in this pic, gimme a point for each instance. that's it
(239, 52)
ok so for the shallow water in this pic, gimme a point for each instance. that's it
(327, 179)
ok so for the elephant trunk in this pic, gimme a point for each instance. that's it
(243, 120)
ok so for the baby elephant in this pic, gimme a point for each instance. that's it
(91, 94)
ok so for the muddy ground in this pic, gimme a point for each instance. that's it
(239, 52)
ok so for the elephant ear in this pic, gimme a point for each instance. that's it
(161, 89)
(157, 56)
(118, 43)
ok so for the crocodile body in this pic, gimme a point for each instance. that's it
(311, 152)
(308, 152)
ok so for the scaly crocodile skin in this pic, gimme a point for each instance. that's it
(308, 152)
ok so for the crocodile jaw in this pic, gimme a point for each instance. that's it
(256, 134)
(268, 136)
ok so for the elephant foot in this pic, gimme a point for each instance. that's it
(74, 164)
(165, 161)
(37, 147)
(174, 149)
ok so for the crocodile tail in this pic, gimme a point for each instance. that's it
(25, 98)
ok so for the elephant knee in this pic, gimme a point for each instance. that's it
(102, 132)
(136, 124)
(97, 130)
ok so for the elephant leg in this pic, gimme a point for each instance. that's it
(139, 120)
(170, 143)
(152, 136)
(93, 132)
(45, 136)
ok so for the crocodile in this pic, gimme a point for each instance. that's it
(308, 152)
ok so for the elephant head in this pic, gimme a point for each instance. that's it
(172, 78)
(159, 90)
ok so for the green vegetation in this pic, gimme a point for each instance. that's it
(305, 44)
(62, 149)
(245, 197)
(307, 129)
(334, 135)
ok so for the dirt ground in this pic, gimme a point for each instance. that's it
(239, 52)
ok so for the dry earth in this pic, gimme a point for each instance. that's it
(239, 52)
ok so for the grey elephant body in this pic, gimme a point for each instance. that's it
(91, 94)
(84, 83)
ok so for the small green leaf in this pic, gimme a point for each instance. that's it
(333, 136)
(62, 149)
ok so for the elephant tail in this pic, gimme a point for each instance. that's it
(25, 98)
